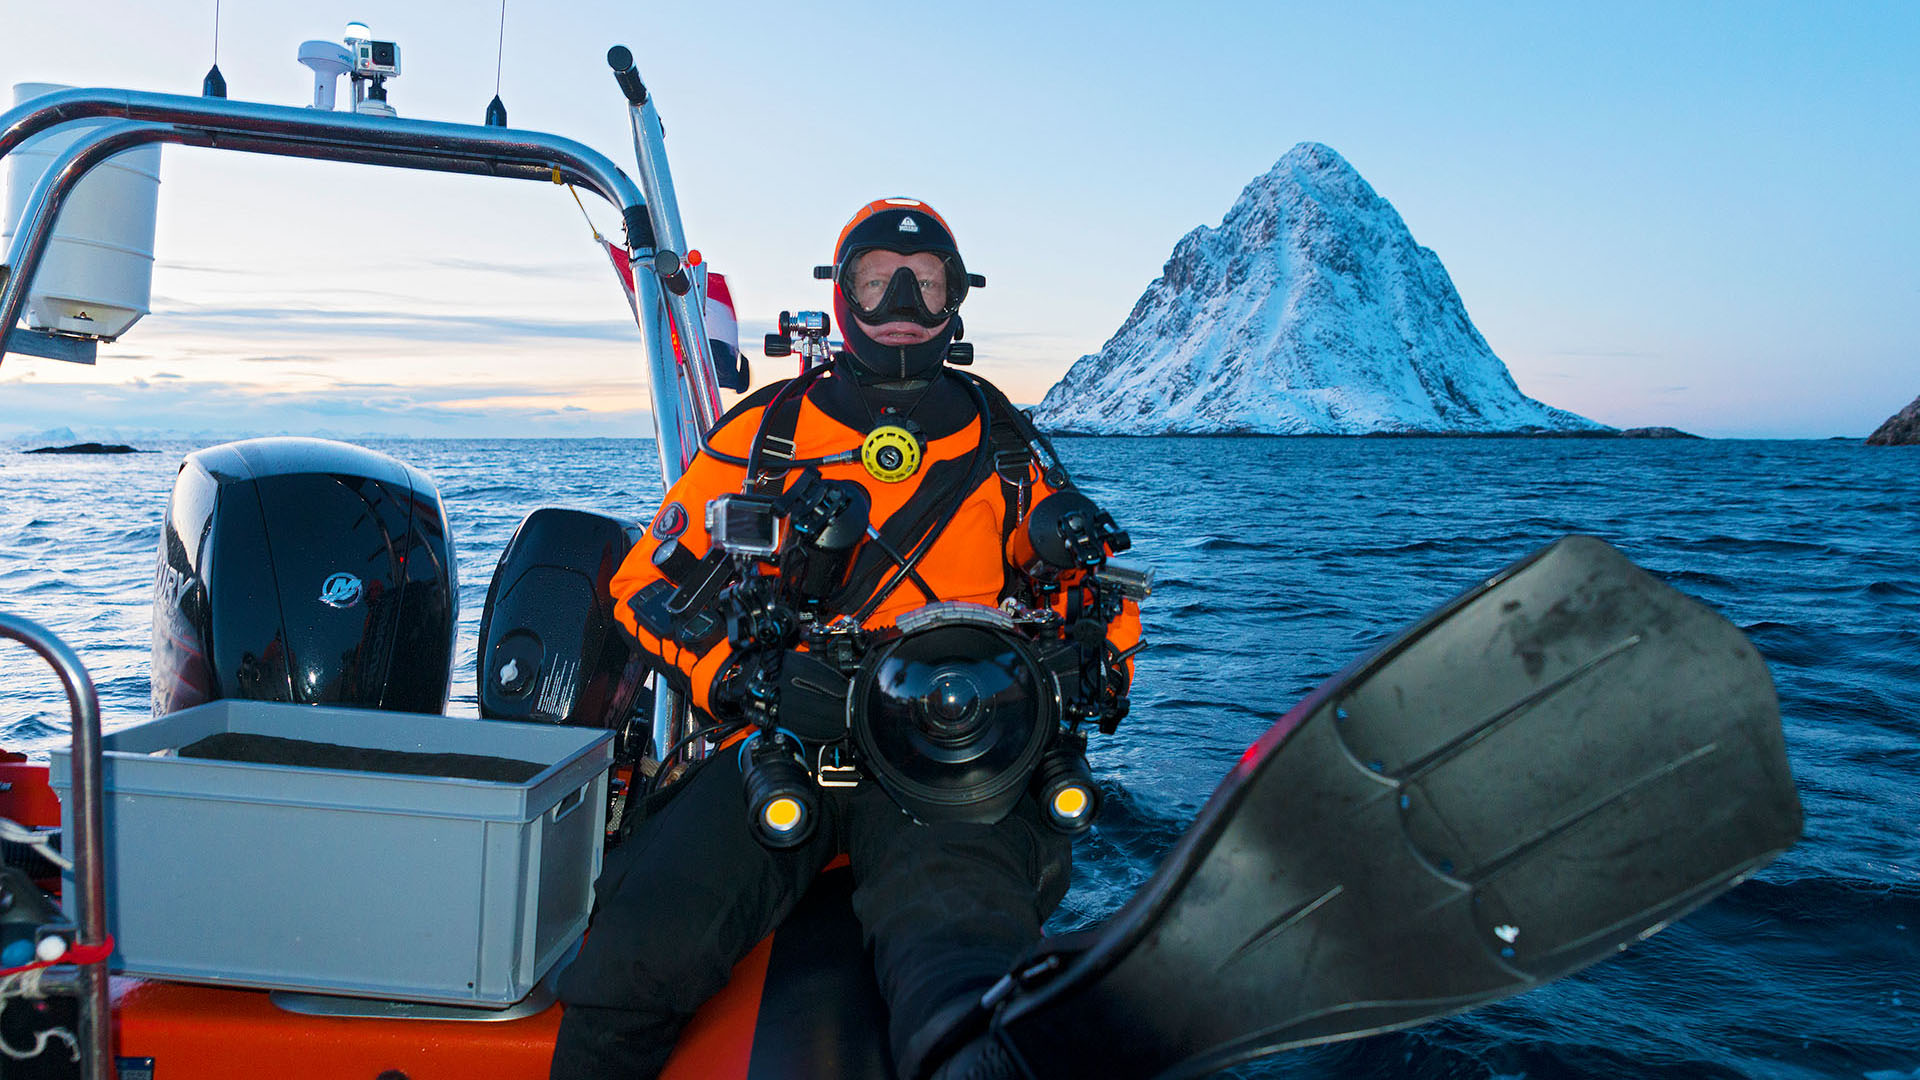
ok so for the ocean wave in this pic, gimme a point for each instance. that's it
(1789, 975)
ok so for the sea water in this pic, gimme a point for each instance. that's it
(1279, 561)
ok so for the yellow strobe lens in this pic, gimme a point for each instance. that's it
(782, 814)
(1069, 803)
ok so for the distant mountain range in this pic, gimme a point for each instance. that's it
(1309, 310)
(67, 436)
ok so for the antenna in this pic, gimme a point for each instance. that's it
(215, 84)
(497, 109)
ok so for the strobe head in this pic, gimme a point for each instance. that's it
(1063, 785)
(783, 805)
(952, 717)
(1064, 531)
(828, 518)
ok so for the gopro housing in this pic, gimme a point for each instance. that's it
(744, 525)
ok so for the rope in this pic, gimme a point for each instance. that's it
(77, 955)
(16, 833)
(25, 983)
(583, 213)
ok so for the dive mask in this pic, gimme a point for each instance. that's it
(903, 295)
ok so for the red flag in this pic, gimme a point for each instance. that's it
(625, 269)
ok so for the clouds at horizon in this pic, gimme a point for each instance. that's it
(137, 407)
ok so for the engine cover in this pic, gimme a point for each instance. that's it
(550, 649)
(307, 571)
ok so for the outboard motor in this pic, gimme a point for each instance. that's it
(550, 650)
(307, 571)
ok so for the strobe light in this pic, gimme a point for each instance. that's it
(782, 801)
(1064, 786)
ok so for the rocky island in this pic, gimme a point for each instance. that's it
(85, 448)
(1310, 310)
(1901, 429)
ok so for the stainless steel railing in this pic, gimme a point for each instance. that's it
(684, 393)
(84, 819)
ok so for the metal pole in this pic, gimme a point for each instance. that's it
(273, 129)
(529, 155)
(85, 817)
(684, 307)
(681, 431)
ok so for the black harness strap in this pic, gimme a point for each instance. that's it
(910, 526)
(776, 446)
(1013, 455)
(901, 532)
(1013, 446)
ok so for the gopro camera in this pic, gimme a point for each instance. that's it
(372, 57)
(744, 525)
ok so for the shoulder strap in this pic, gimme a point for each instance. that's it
(777, 445)
(1017, 444)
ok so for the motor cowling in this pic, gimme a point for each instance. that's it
(306, 571)
(550, 650)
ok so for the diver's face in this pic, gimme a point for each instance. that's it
(871, 273)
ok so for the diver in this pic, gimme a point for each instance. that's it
(828, 511)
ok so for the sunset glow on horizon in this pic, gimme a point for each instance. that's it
(1654, 216)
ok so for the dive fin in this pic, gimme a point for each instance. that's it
(1554, 765)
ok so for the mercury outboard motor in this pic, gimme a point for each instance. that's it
(306, 571)
(550, 650)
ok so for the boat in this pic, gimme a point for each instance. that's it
(801, 1004)
(144, 1025)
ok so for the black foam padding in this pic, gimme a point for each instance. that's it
(275, 750)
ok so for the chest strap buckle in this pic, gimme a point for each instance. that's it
(834, 774)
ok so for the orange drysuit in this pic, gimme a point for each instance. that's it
(967, 561)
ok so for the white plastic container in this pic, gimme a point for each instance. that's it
(96, 278)
(363, 884)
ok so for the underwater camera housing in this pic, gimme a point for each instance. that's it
(550, 650)
(306, 571)
(952, 717)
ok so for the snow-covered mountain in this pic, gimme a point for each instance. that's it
(1310, 310)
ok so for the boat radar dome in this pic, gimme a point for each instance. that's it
(96, 279)
(329, 60)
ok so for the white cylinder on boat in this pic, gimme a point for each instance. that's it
(96, 277)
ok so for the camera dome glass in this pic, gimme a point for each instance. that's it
(952, 719)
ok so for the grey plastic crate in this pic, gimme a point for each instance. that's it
(365, 884)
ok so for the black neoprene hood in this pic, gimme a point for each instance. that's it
(907, 230)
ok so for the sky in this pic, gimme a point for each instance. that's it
(1697, 215)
